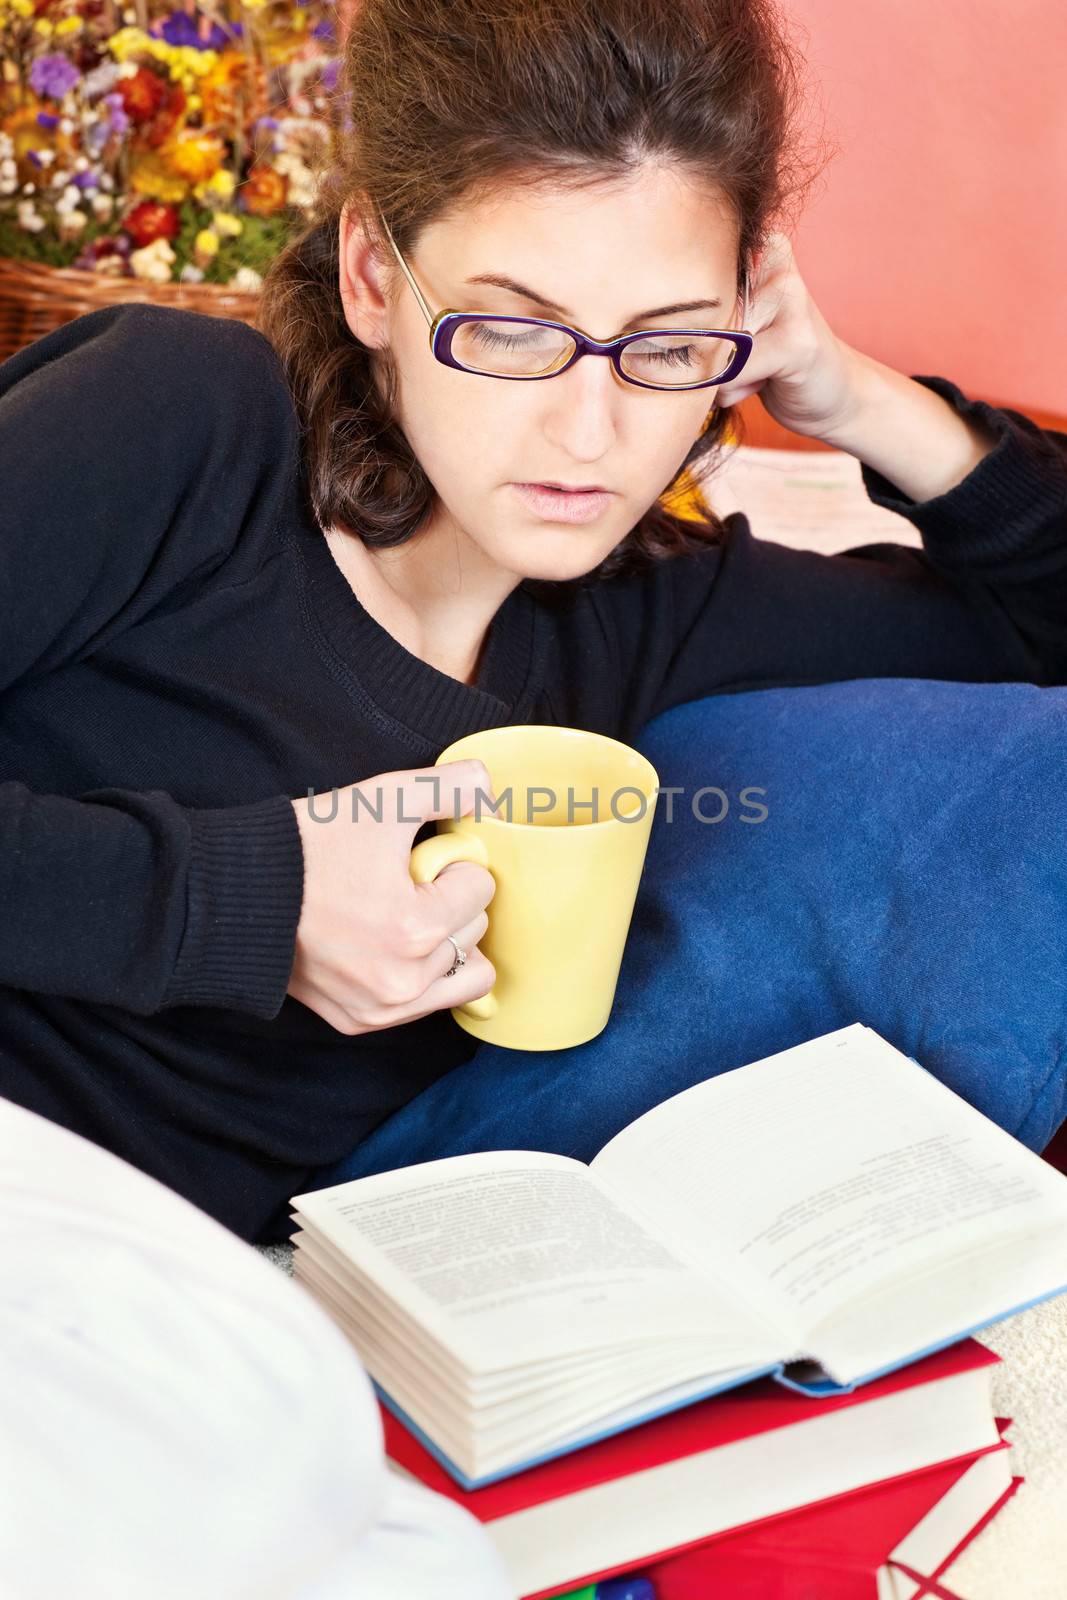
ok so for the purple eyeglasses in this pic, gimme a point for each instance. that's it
(528, 349)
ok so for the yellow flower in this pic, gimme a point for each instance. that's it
(43, 27)
(219, 186)
(69, 25)
(127, 42)
(193, 102)
(184, 63)
(160, 50)
(228, 225)
(151, 174)
(206, 243)
(22, 8)
(26, 134)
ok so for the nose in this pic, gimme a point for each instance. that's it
(582, 408)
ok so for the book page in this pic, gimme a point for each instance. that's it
(806, 499)
(517, 1257)
(838, 1166)
(606, 1391)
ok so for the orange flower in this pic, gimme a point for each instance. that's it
(196, 156)
(219, 88)
(264, 191)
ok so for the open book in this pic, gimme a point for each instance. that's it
(807, 499)
(824, 1215)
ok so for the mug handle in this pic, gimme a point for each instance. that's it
(426, 861)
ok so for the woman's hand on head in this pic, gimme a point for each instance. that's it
(372, 945)
(805, 376)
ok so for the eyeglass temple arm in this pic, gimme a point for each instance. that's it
(416, 291)
(744, 300)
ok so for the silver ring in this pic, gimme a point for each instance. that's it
(461, 956)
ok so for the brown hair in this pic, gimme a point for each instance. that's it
(449, 99)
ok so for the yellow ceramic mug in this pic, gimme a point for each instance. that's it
(566, 845)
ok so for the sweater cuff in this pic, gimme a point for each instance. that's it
(997, 510)
(244, 894)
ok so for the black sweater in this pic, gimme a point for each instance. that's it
(180, 655)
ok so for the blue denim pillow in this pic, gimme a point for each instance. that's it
(910, 873)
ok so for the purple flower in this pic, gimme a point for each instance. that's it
(85, 180)
(329, 75)
(116, 113)
(182, 30)
(54, 75)
(323, 30)
(47, 120)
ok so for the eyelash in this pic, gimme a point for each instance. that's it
(495, 340)
(681, 355)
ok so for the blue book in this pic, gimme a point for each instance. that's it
(825, 1215)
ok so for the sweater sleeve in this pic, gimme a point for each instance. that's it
(126, 473)
(984, 600)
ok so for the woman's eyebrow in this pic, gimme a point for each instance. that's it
(499, 281)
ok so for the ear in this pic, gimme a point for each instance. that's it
(361, 281)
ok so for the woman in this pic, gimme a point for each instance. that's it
(242, 571)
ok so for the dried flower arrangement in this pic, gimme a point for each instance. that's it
(179, 147)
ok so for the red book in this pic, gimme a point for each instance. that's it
(876, 1544)
(729, 1462)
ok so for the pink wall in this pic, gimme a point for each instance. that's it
(936, 240)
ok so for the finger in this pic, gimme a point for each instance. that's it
(768, 354)
(425, 970)
(467, 937)
(453, 899)
(469, 982)
(735, 396)
(424, 794)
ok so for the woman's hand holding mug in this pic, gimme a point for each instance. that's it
(372, 946)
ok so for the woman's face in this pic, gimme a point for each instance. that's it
(599, 259)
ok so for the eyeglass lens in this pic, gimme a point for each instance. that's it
(527, 350)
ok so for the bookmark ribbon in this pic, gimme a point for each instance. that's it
(931, 1586)
(926, 1585)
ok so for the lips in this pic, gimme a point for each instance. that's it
(552, 504)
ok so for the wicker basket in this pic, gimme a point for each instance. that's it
(35, 299)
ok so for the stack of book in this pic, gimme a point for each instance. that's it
(890, 1542)
(754, 1306)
